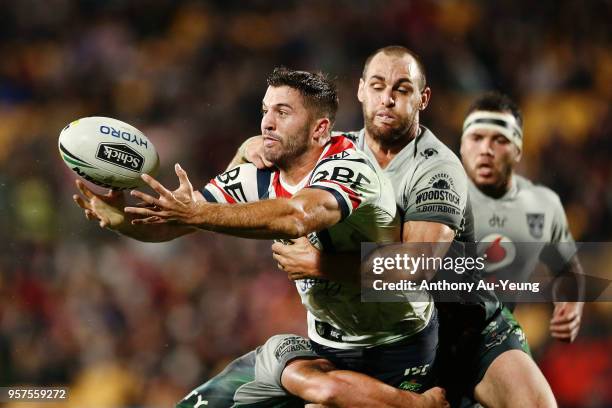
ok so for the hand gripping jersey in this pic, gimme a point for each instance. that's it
(336, 316)
(519, 229)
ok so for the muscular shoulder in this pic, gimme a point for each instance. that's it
(547, 197)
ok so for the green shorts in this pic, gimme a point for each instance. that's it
(465, 357)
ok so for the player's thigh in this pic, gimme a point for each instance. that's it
(221, 389)
(245, 382)
(514, 380)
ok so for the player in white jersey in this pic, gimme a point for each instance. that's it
(323, 188)
(518, 222)
(493, 365)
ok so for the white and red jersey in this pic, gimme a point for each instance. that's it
(336, 315)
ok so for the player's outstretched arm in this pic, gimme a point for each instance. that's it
(107, 209)
(309, 210)
(318, 381)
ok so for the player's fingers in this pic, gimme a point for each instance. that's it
(278, 258)
(277, 248)
(266, 163)
(84, 190)
(257, 162)
(150, 200)
(157, 186)
(147, 212)
(104, 222)
(566, 327)
(182, 176)
(565, 318)
(114, 193)
(80, 202)
(90, 215)
(149, 220)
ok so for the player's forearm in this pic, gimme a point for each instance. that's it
(269, 219)
(339, 388)
(569, 284)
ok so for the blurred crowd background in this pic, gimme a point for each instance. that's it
(126, 324)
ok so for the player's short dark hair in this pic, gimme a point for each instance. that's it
(495, 101)
(397, 50)
(318, 90)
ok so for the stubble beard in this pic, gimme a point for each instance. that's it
(400, 134)
(291, 147)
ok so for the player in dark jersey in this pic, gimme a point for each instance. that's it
(481, 356)
(324, 188)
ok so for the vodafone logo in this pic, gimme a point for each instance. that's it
(497, 250)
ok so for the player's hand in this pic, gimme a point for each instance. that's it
(179, 205)
(435, 397)
(107, 208)
(299, 260)
(254, 153)
(565, 321)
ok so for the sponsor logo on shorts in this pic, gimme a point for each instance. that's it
(121, 155)
(411, 386)
(291, 344)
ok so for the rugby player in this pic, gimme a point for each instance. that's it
(481, 347)
(322, 187)
(512, 209)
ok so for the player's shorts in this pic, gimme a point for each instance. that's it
(407, 364)
(254, 380)
(464, 364)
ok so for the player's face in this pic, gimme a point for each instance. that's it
(285, 125)
(489, 158)
(391, 97)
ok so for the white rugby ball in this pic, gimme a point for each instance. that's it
(107, 152)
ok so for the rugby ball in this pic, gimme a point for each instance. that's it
(107, 152)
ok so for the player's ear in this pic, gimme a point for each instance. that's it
(322, 131)
(425, 97)
(519, 154)
(360, 90)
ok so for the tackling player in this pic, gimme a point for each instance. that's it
(323, 188)
(480, 342)
(511, 209)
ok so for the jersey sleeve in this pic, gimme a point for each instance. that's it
(437, 193)
(352, 182)
(276, 353)
(238, 185)
(562, 246)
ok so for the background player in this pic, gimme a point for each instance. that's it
(393, 91)
(323, 188)
(513, 209)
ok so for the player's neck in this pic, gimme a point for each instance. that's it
(296, 169)
(385, 152)
(497, 191)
